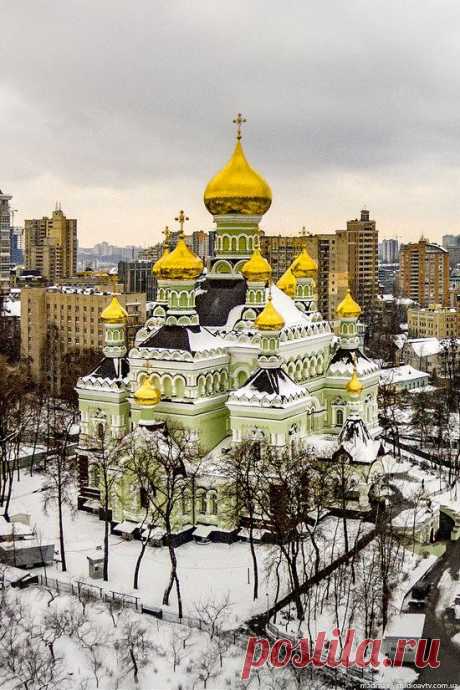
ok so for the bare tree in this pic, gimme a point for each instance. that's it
(206, 665)
(93, 640)
(243, 468)
(134, 647)
(60, 476)
(212, 613)
(163, 466)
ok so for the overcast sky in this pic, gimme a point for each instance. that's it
(123, 110)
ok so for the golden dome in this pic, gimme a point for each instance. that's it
(238, 188)
(348, 307)
(354, 385)
(158, 264)
(303, 266)
(269, 319)
(287, 283)
(114, 312)
(147, 394)
(257, 268)
(181, 263)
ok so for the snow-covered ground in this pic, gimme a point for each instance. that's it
(206, 571)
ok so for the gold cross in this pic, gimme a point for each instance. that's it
(167, 233)
(181, 218)
(238, 121)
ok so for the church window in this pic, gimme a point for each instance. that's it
(339, 418)
(201, 500)
(213, 504)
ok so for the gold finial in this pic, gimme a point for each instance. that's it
(181, 218)
(238, 121)
(167, 233)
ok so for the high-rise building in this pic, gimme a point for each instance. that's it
(452, 244)
(363, 263)
(5, 225)
(51, 245)
(330, 251)
(137, 276)
(389, 251)
(280, 251)
(16, 241)
(58, 322)
(424, 273)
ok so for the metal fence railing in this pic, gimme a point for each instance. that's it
(88, 591)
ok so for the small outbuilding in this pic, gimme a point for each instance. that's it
(405, 626)
(96, 565)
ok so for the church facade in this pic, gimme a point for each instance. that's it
(227, 355)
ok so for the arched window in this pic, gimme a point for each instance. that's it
(201, 500)
(185, 503)
(339, 418)
(213, 504)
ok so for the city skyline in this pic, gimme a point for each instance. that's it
(340, 117)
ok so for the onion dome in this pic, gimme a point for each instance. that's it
(287, 283)
(257, 268)
(304, 265)
(348, 308)
(180, 264)
(147, 394)
(114, 312)
(354, 385)
(238, 189)
(269, 319)
(158, 264)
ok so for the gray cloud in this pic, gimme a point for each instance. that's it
(346, 103)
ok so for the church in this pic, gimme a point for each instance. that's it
(228, 355)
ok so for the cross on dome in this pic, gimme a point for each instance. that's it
(181, 218)
(167, 233)
(238, 121)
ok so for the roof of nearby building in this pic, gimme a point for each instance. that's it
(401, 374)
(406, 625)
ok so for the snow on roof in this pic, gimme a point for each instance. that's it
(406, 625)
(345, 365)
(357, 441)
(203, 531)
(272, 386)
(283, 304)
(402, 373)
(399, 340)
(127, 527)
(204, 340)
(12, 307)
(425, 347)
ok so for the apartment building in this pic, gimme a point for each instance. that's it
(51, 245)
(424, 273)
(435, 321)
(362, 236)
(60, 322)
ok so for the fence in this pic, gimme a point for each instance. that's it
(88, 591)
(354, 677)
